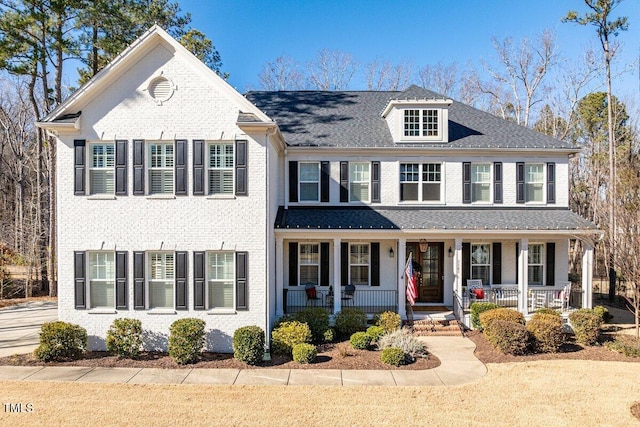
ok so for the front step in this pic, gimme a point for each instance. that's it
(440, 327)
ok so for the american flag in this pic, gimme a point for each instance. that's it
(412, 291)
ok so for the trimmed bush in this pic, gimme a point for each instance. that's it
(547, 310)
(393, 356)
(586, 325)
(625, 344)
(603, 312)
(509, 337)
(375, 332)
(389, 321)
(350, 321)
(288, 334)
(304, 353)
(360, 340)
(500, 314)
(477, 308)
(186, 339)
(124, 338)
(318, 320)
(329, 335)
(248, 344)
(404, 340)
(546, 331)
(61, 341)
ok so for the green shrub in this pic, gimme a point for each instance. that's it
(350, 320)
(586, 325)
(360, 340)
(124, 338)
(603, 312)
(389, 321)
(60, 341)
(500, 314)
(318, 320)
(477, 308)
(375, 332)
(546, 331)
(186, 339)
(393, 356)
(509, 337)
(404, 340)
(329, 335)
(304, 353)
(625, 344)
(288, 334)
(546, 310)
(248, 344)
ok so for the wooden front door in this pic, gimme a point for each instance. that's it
(430, 280)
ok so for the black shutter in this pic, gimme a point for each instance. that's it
(241, 168)
(375, 264)
(198, 280)
(293, 181)
(325, 175)
(79, 279)
(466, 263)
(121, 167)
(293, 263)
(497, 182)
(519, 182)
(241, 280)
(551, 264)
(344, 263)
(181, 279)
(466, 182)
(198, 167)
(551, 182)
(122, 300)
(497, 263)
(517, 260)
(344, 181)
(180, 167)
(324, 264)
(138, 167)
(375, 182)
(138, 281)
(79, 157)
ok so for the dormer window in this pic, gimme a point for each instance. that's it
(421, 123)
(418, 121)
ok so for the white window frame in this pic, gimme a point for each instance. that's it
(421, 173)
(100, 260)
(165, 167)
(360, 264)
(353, 166)
(302, 182)
(224, 281)
(225, 165)
(528, 173)
(538, 264)
(421, 124)
(167, 279)
(106, 164)
(475, 182)
(310, 262)
(485, 280)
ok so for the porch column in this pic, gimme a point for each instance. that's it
(523, 276)
(587, 275)
(337, 285)
(279, 277)
(457, 268)
(402, 259)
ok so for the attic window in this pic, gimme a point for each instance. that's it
(161, 89)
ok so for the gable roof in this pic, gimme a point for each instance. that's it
(352, 119)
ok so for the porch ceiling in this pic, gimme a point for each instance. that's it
(420, 218)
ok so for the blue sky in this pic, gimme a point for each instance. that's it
(249, 33)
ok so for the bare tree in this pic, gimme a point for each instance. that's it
(441, 78)
(382, 75)
(331, 70)
(281, 74)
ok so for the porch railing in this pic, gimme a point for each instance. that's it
(368, 300)
(537, 297)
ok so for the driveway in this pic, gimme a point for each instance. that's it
(20, 326)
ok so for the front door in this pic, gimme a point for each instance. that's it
(430, 280)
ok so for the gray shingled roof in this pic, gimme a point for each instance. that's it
(353, 119)
(398, 218)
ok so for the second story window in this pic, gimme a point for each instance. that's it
(161, 168)
(481, 182)
(534, 182)
(421, 123)
(309, 181)
(220, 169)
(359, 181)
(420, 182)
(101, 168)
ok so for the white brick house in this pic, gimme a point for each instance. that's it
(177, 196)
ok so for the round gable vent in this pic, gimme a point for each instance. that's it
(161, 89)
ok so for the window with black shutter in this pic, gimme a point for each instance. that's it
(79, 164)
(241, 168)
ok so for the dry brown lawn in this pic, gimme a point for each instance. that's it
(538, 393)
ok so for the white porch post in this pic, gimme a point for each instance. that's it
(279, 277)
(457, 268)
(523, 276)
(337, 285)
(587, 275)
(402, 258)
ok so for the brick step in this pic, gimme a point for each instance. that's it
(429, 327)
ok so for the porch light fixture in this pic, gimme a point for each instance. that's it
(391, 254)
(423, 245)
(450, 252)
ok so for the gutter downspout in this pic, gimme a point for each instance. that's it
(268, 234)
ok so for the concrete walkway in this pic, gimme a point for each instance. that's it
(20, 326)
(458, 366)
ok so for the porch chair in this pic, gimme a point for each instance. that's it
(538, 300)
(475, 289)
(561, 297)
(312, 294)
(348, 294)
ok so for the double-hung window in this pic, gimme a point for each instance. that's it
(359, 182)
(481, 182)
(101, 168)
(220, 280)
(161, 279)
(309, 181)
(309, 263)
(536, 266)
(420, 182)
(161, 168)
(102, 277)
(220, 169)
(359, 263)
(480, 262)
(421, 123)
(534, 182)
